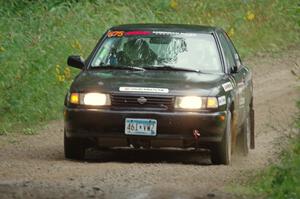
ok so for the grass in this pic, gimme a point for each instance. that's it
(37, 36)
(282, 181)
(279, 181)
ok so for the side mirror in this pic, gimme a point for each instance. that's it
(234, 69)
(76, 61)
(237, 65)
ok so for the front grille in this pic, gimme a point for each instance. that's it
(160, 102)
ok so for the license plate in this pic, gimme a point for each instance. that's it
(134, 126)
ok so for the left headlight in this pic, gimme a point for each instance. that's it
(189, 102)
(90, 99)
(196, 102)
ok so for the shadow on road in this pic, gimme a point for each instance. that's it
(176, 156)
(149, 156)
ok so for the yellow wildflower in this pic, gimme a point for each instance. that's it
(231, 32)
(174, 4)
(61, 78)
(67, 73)
(2, 49)
(18, 77)
(57, 69)
(76, 45)
(250, 16)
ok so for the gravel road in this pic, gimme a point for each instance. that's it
(34, 166)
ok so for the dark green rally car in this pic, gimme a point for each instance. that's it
(149, 86)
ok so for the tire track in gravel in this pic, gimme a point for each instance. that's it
(34, 166)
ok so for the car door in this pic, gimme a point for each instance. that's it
(237, 77)
(244, 86)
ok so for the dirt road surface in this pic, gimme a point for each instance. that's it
(34, 166)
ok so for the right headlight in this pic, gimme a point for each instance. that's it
(196, 102)
(90, 99)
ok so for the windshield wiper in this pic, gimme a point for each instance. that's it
(118, 67)
(171, 68)
(163, 67)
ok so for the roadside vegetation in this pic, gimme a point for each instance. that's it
(281, 180)
(37, 36)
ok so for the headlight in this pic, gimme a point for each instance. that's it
(95, 99)
(195, 102)
(188, 102)
(90, 99)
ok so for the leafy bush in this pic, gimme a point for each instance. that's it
(283, 180)
(278, 181)
(37, 36)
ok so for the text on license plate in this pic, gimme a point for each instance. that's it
(134, 126)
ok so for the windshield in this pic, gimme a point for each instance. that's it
(195, 51)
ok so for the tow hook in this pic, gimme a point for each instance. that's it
(196, 135)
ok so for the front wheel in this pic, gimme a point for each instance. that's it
(221, 152)
(74, 148)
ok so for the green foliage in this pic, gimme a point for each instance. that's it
(37, 36)
(280, 181)
(283, 180)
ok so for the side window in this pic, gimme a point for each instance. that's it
(237, 58)
(229, 59)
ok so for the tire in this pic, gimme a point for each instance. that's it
(74, 148)
(244, 139)
(221, 152)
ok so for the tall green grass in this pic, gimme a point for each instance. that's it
(37, 36)
(278, 181)
(282, 181)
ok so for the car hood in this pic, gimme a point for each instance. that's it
(177, 82)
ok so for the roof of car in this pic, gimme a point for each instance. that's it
(166, 27)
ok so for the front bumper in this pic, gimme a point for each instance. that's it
(174, 129)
